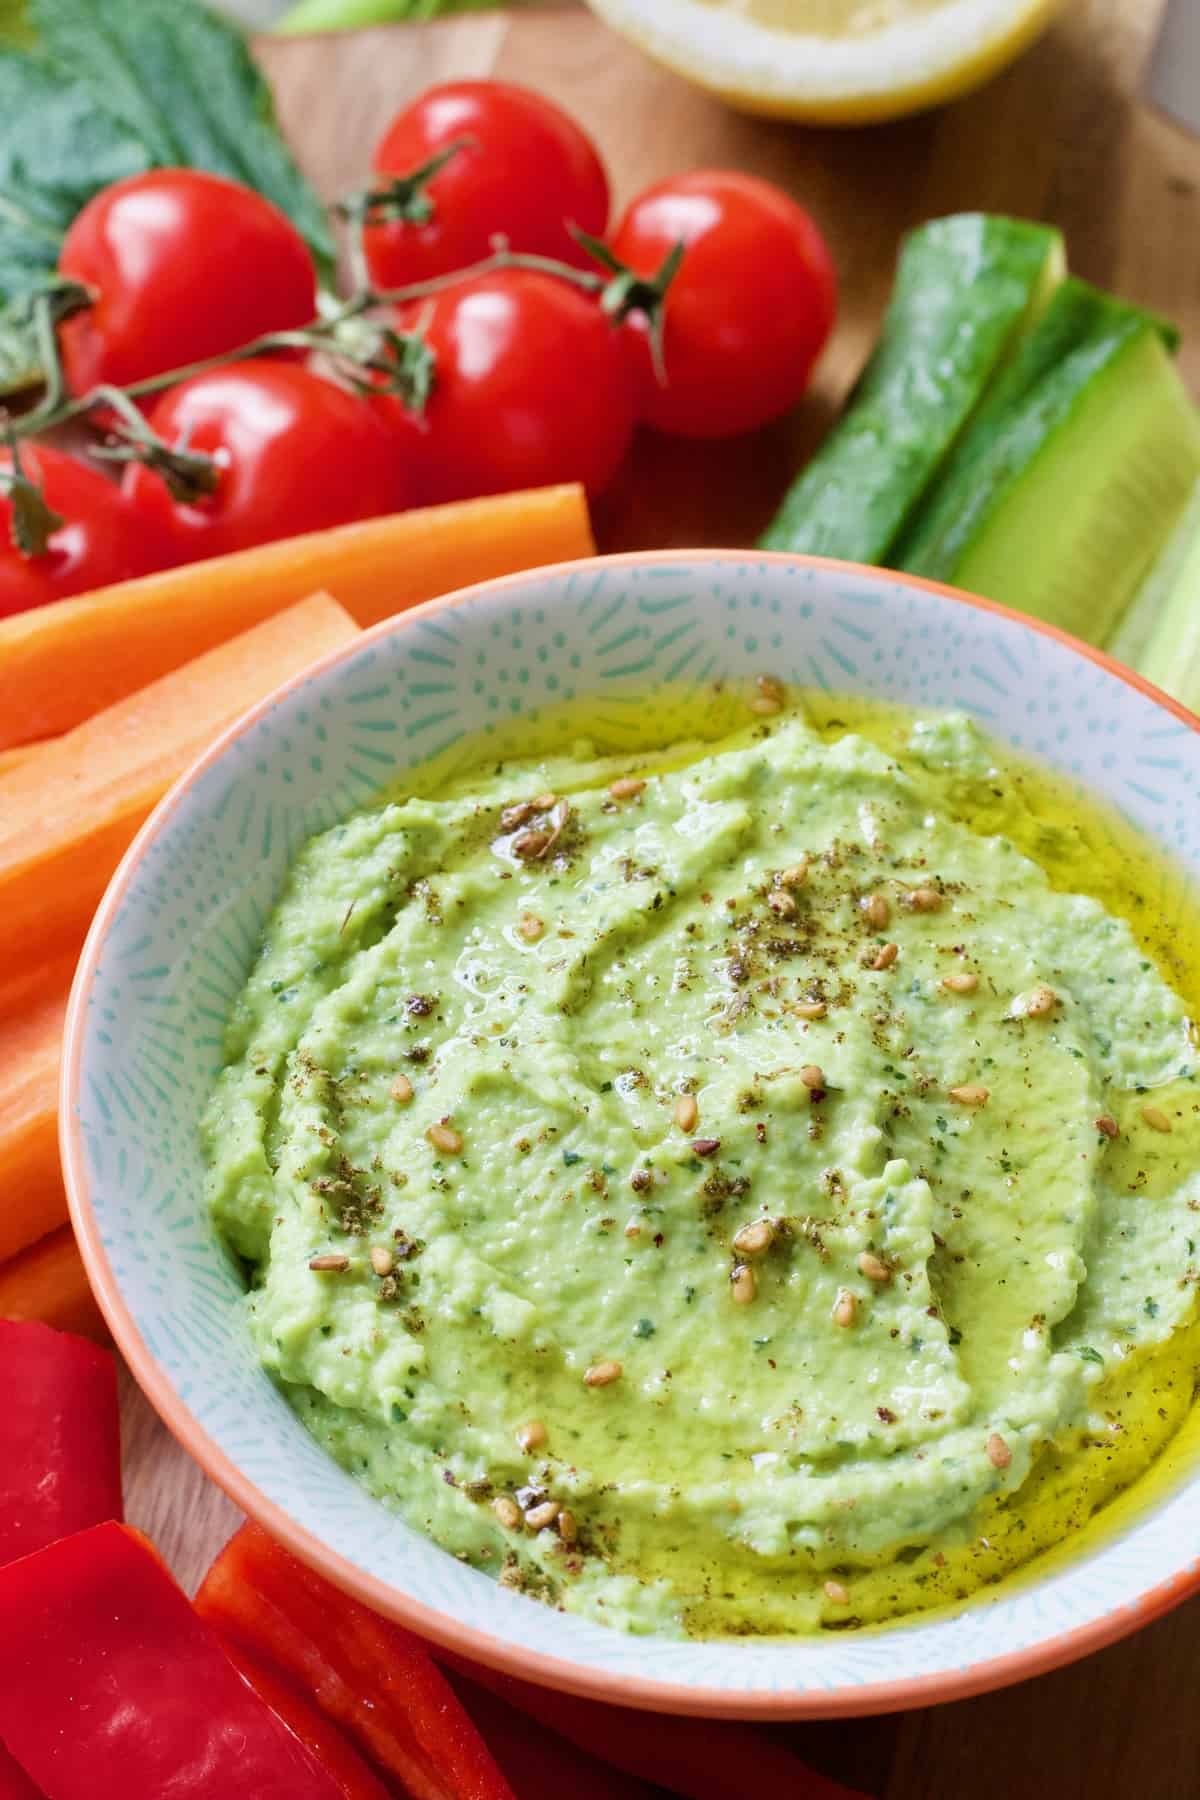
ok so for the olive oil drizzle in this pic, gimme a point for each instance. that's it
(1144, 1433)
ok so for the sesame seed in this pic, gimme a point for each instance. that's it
(886, 956)
(627, 787)
(764, 705)
(1107, 1126)
(1155, 1118)
(603, 1374)
(382, 1260)
(543, 802)
(687, 1112)
(507, 1511)
(1041, 1003)
(633, 1229)
(970, 1095)
(999, 1454)
(530, 927)
(538, 1517)
(813, 1078)
(810, 1009)
(443, 1137)
(835, 1591)
(531, 1436)
(513, 817)
(568, 1527)
(781, 903)
(743, 1284)
(966, 983)
(796, 876)
(771, 687)
(873, 1267)
(875, 910)
(845, 1309)
(401, 1090)
(706, 1146)
(754, 1239)
(923, 899)
(331, 1264)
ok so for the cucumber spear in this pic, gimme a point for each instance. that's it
(968, 288)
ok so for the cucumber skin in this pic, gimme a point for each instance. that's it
(351, 15)
(1082, 332)
(1139, 634)
(1171, 657)
(963, 286)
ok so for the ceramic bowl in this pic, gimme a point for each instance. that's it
(172, 942)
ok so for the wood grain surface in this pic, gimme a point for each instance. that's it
(1061, 136)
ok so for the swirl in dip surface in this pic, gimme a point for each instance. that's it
(722, 1189)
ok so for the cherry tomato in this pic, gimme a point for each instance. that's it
(532, 387)
(525, 170)
(748, 311)
(295, 453)
(102, 539)
(184, 266)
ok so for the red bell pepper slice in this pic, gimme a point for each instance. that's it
(540, 1764)
(702, 1759)
(112, 1689)
(355, 1781)
(376, 1680)
(60, 1439)
(14, 1782)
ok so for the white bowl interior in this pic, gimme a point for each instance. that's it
(179, 943)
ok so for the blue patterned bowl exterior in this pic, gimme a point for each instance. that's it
(172, 945)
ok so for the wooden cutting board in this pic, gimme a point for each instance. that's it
(1058, 137)
(1062, 137)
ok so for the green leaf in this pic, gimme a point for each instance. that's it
(14, 23)
(182, 83)
(116, 87)
(56, 149)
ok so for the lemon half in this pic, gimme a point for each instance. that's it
(843, 62)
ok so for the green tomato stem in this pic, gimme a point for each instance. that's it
(321, 335)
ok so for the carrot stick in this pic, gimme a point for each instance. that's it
(47, 1282)
(10, 758)
(71, 809)
(60, 664)
(26, 988)
(33, 1200)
